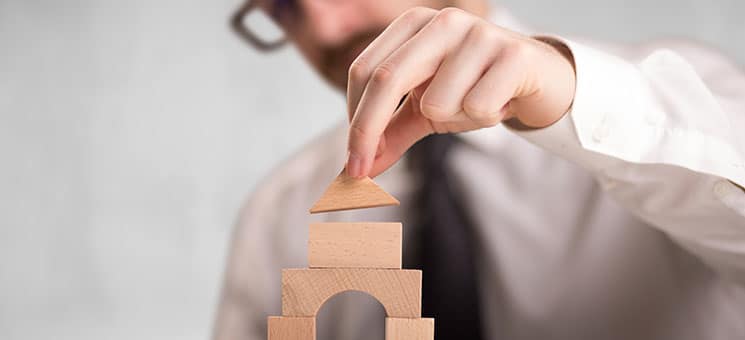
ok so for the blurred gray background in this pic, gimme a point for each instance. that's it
(132, 131)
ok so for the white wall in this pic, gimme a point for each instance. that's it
(132, 131)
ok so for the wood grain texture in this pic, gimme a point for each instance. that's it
(291, 328)
(346, 193)
(305, 290)
(409, 329)
(355, 245)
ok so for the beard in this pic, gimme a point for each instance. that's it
(335, 60)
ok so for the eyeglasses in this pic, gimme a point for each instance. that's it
(239, 22)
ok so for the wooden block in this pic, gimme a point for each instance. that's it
(291, 328)
(409, 329)
(346, 193)
(355, 245)
(398, 290)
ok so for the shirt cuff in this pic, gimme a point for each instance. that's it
(616, 118)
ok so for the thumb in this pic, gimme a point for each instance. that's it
(405, 128)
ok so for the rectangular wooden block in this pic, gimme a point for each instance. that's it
(409, 329)
(305, 290)
(355, 245)
(291, 328)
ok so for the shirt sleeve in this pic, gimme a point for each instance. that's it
(665, 139)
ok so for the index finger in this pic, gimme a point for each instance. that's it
(397, 33)
(412, 64)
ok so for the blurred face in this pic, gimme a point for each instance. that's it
(331, 33)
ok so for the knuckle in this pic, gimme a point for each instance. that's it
(357, 135)
(449, 16)
(517, 56)
(452, 11)
(410, 16)
(382, 75)
(416, 13)
(433, 111)
(476, 109)
(358, 71)
(513, 50)
(482, 33)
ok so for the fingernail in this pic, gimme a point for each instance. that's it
(354, 165)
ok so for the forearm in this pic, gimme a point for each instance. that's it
(657, 140)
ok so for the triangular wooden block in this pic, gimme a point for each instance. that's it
(346, 193)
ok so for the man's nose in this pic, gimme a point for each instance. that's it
(330, 22)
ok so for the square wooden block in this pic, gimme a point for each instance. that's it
(355, 245)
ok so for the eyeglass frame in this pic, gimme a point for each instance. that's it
(239, 28)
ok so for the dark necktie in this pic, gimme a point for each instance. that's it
(446, 244)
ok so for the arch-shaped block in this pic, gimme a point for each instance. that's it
(409, 329)
(291, 328)
(305, 290)
(304, 328)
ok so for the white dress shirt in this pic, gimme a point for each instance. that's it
(624, 220)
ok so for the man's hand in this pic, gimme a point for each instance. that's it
(461, 73)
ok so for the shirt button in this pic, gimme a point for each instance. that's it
(601, 132)
(608, 183)
(722, 188)
(652, 119)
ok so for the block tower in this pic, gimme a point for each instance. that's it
(361, 256)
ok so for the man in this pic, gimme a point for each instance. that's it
(608, 204)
